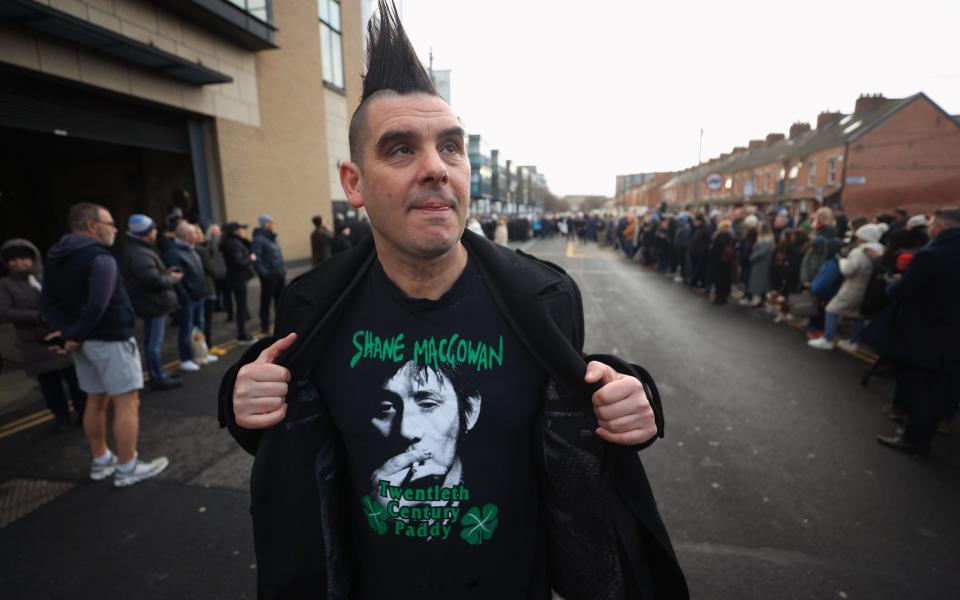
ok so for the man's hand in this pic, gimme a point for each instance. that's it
(623, 411)
(261, 388)
(67, 347)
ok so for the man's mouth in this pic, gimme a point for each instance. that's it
(432, 205)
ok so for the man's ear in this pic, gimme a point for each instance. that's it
(472, 411)
(351, 181)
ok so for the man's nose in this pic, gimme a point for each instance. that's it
(433, 169)
(410, 424)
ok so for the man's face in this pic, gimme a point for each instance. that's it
(268, 226)
(414, 179)
(152, 236)
(104, 229)
(935, 227)
(420, 414)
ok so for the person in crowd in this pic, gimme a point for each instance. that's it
(239, 260)
(856, 269)
(681, 243)
(825, 284)
(813, 259)
(697, 256)
(781, 222)
(224, 302)
(206, 253)
(151, 287)
(341, 238)
(419, 431)
(761, 260)
(920, 332)
(824, 224)
(321, 240)
(664, 244)
(721, 258)
(269, 267)
(191, 290)
(501, 235)
(86, 303)
(20, 305)
(474, 225)
(744, 251)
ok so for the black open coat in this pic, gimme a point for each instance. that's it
(605, 537)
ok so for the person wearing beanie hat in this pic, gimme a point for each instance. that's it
(151, 287)
(917, 221)
(20, 305)
(856, 269)
(140, 225)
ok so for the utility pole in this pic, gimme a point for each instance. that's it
(696, 185)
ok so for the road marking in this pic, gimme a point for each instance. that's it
(43, 416)
(570, 253)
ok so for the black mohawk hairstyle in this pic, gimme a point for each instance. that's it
(392, 63)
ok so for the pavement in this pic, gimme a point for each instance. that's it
(769, 480)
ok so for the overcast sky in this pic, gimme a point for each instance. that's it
(623, 86)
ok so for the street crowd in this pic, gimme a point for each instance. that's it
(891, 282)
(74, 313)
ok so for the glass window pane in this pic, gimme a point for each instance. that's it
(335, 15)
(325, 54)
(336, 47)
(323, 9)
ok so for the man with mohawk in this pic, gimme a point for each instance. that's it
(425, 422)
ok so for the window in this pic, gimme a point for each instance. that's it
(331, 43)
(811, 173)
(832, 171)
(766, 181)
(795, 171)
(258, 8)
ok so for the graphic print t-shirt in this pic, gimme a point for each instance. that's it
(436, 402)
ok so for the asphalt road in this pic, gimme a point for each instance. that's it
(769, 479)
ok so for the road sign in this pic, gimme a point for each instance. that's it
(856, 180)
(714, 181)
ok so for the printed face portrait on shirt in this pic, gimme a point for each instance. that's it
(423, 416)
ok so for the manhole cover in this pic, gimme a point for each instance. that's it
(20, 497)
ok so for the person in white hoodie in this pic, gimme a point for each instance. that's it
(856, 268)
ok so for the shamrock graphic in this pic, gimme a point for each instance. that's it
(376, 516)
(477, 527)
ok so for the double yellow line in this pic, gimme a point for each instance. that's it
(43, 416)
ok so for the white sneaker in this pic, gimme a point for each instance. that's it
(848, 345)
(678, 279)
(189, 365)
(101, 472)
(140, 471)
(746, 302)
(212, 359)
(820, 343)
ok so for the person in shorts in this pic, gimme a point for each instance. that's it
(85, 301)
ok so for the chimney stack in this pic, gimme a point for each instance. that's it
(827, 117)
(755, 144)
(798, 128)
(739, 149)
(867, 103)
(773, 138)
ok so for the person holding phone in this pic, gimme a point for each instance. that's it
(20, 305)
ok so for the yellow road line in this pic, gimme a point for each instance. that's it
(42, 418)
(570, 253)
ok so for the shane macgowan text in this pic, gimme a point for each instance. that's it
(426, 520)
(431, 352)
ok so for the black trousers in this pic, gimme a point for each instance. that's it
(270, 288)
(51, 386)
(238, 291)
(208, 305)
(224, 298)
(928, 396)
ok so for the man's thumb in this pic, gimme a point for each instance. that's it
(271, 353)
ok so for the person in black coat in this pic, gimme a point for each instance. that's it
(721, 259)
(239, 260)
(697, 254)
(920, 332)
(191, 290)
(151, 287)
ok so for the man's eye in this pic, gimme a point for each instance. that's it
(451, 148)
(401, 151)
(385, 409)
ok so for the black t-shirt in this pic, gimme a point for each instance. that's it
(436, 403)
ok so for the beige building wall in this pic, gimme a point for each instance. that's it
(287, 166)
(145, 22)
